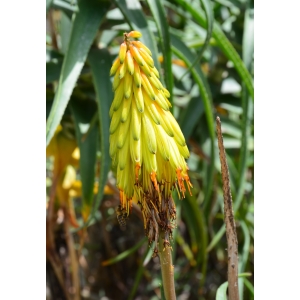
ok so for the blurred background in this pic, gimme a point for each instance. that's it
(204, 52)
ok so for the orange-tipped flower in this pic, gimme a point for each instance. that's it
(146, 143)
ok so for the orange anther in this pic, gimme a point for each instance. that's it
(153, 179)
(137, 168)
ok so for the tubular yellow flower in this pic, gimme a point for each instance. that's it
(146, 142)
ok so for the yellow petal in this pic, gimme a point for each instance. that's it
(123, 70)
(135, 122)
(122, 52)
(138, 96)
(123, 155)
(116, 80)
(149, 133)
(177, 131)
(136, 55)
(127, 85)
(119, 94)
(115, 67)
(151, 108)
(162, 143)
(134, 34)
(115, 121)
(147, 86)
(139, 44)
(137, 75)
(130, 65)
(126, 109)
(123, 133)
(147, 58)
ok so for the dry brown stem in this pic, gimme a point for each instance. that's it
(232, 242)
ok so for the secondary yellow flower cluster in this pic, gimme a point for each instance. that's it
(146, 143)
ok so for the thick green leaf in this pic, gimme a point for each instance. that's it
(223, 43)
(191, 116)
(85, 26)
(136, 19)
(83, 112)
(160, 19)
(183, 52)
(65, 32)
(100, 62)
(221, 291)
(209, 21)
(248, 48)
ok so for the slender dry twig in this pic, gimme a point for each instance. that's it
(167, 268)
(232, 242)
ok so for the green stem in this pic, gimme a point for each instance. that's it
(167, 268)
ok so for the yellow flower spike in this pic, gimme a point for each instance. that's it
(137, 75)
(134, 34)
(122, 52)
(115, 67)
(146, 143)
(127, 85)
(136, 55)
(139, 44)
(130, 65)
(147, 86)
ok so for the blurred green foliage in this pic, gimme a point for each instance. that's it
(204, 51)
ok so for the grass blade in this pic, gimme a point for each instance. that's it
(160, 19)
(84, 30)
(124, 254)
(136, 19)
(223, 43)
(209, 21)
(100, 62)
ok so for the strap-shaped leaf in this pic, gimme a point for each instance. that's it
(160, 19)
(223, 43)
(85, 26)
(100, 62)
(83, 112)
